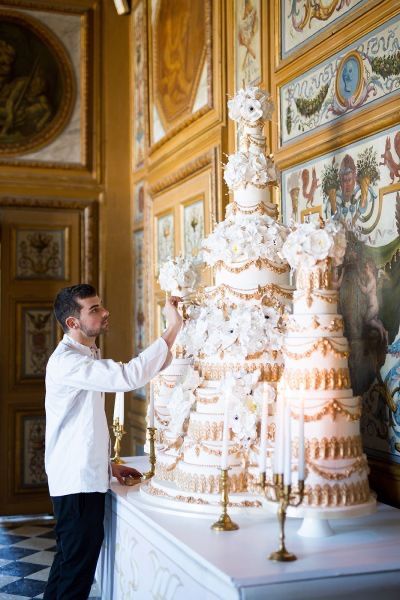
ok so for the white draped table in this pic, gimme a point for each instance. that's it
(162, 555)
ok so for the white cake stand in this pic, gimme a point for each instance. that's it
(316, 520)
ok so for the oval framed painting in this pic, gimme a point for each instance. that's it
(37, 85)
(349, 78)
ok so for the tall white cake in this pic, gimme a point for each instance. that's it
(233, 334)
(316, 378)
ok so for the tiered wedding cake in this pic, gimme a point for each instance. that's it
(316, 381)
(233, 334)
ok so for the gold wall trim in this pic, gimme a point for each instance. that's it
(89, 210)
(172, 132)
(180, 174)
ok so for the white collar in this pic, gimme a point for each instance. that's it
(85, 349)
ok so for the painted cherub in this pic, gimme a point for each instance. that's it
(367, 283)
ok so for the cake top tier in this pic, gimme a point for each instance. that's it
(250, 108)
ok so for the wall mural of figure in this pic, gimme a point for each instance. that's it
(248, 56)
(37, 87)
(302, 20)
(361, 185)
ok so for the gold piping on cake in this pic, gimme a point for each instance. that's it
(262, 290)
(210, 372)
(334, 325)
(333, 408)
(323, 345)
(331, 448)
(359, 466)
(192, 500)
(208, 484)
(260, 208)
(215, 451)
(259, 263)
(317, 379)
(345, 494)
(332, 298)
(206, 430)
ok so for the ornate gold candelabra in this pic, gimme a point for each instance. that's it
(152, 457)
(224, 523)
(286, 495)
(118, 431)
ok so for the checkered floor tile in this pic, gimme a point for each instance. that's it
(26, 553)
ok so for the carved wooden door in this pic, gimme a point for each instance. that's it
(40, 253)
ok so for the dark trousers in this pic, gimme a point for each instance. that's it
(80, 534)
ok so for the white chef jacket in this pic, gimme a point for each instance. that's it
(77, 436)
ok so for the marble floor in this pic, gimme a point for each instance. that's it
(26, 553)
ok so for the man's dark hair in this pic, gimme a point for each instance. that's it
(66, 302)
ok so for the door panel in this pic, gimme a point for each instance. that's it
(40, 253)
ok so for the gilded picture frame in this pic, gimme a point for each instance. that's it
(70, 144)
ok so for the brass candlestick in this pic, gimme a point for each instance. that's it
(118, 431)
(152, 457)
(286, 495)
(224, 523)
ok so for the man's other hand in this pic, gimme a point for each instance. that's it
(121, 471)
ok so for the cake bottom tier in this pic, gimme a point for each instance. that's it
(166, 495)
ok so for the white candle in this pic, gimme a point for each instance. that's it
(225, 436)
(151, 407)
(116, 407)
(287, 467)
(301, 438)
(263, 434)
(279, 420)
(119, 406)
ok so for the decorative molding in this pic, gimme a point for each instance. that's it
(89, 226)
(172, 132)
(189, 169)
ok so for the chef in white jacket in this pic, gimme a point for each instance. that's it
(77, 455)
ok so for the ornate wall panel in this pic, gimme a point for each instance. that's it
(248, 48)
(36, 335)
(359, 75)
(303, 20)
(30, 475)
(183, 66)
(140, 84)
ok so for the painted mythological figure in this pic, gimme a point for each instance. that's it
(314, 10)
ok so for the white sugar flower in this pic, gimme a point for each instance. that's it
(318, 244)
(178, 275)
(250, 104)
(242, 169)
(241, 238)
(310, 243)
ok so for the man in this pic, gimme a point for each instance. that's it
(77, 439)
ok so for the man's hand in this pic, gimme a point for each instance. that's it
(174, 322)
(172, 315)
(121, 471)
